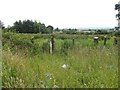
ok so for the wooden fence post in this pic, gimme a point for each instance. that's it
(115, 40)
(96, 40)
(32, 39)
(52, 44)
(105, 39)
(73, 41)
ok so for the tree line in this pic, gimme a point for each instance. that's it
(29, 26)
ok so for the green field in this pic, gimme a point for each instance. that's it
(83, 64)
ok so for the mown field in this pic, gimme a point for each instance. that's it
(27, 63)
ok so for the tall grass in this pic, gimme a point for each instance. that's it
(27, 64)
(88, 67)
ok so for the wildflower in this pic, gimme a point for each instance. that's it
(65, 66)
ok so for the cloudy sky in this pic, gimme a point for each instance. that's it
(61, 13)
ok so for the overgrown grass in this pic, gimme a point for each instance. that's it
(28, 64)
(88, 67)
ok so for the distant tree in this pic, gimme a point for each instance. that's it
(99, 31)
(37, 27)
(69, 31)
(18, 26)
(43, 28)
(57, 29)
(49, 29)
(26, 26)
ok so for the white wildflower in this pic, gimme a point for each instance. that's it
(65, 66)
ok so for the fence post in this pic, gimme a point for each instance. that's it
(105, 39)
(96, 40)
(52, 44)
(115, 40)
(73, 41)
(32, 39)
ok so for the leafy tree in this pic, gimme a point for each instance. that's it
(28, 26)
(18, 26)
(49, 29)
(37, 27)
(42, 28)
(57, 29)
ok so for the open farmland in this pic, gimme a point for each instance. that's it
(28, 63)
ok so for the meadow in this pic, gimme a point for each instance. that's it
(27, 63)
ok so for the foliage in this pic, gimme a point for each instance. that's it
(69, 31)
(31, 66)
(29, 26)
(49, 29)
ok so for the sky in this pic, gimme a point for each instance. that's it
(61, 13)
